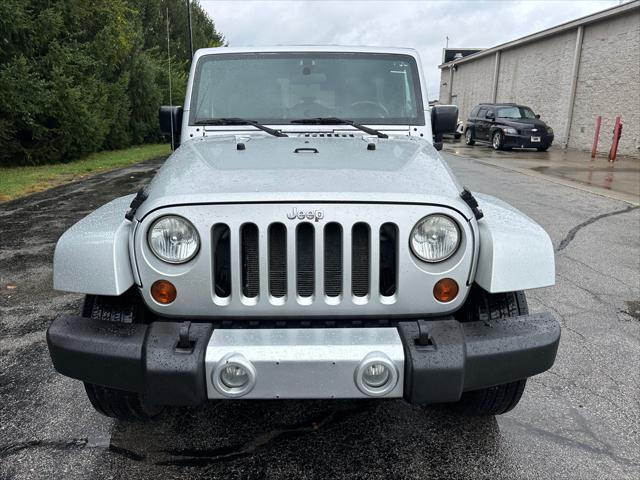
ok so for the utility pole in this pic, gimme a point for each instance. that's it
(173, 142)
(190, 31)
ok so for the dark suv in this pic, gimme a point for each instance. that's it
(507, 125)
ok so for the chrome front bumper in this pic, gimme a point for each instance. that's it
(305, 363)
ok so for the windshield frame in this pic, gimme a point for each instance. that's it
(419, 120)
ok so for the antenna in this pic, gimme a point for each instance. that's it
(190, 30)
(170, 94)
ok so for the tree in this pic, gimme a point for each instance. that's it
(79, 76)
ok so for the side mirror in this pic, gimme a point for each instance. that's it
(491, 116)
(444, 119)
(171, 123)
(537, 115)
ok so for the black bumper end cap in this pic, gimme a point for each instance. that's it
(469, 356)
(133, 357)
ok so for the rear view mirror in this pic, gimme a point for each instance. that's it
(491, 115)
(444, 119)
(171, 124)
(537, 115)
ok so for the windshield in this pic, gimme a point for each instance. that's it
(276, 88)
(515, 112)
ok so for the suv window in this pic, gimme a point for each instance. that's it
(482, 113)
(474, 112)
(515, 113)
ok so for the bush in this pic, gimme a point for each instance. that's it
(77, 77)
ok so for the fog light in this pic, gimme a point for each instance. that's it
(375, 375)
(234, 376)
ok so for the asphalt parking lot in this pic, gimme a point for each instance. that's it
(579, 420)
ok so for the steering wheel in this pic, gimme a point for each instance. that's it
(368, 103)
(309, 107)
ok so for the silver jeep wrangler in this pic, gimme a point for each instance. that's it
(306, 240)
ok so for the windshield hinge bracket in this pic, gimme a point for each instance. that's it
(140, 197)
(470, 200)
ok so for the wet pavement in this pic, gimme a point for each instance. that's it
(579, 420)
(619, 179)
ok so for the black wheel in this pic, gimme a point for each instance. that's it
(489, 401)
(120, 404)
(497, 140)
(542, 149)
(468, 137)
(499, 399)
(126, 308)
(482, 306)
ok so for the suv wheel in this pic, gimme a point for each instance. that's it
(127, 308)
(120, 404)
(468, 137)
(497, 140)
(482, 306)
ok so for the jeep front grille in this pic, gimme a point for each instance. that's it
(315, 271)
(286, 261)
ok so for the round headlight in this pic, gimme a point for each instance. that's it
(435, 238)
(173, 239)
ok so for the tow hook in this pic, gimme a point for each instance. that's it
(185, 344)
(424, 338)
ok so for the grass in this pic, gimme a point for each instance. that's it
(19, 181)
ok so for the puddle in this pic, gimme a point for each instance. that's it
(633, 308)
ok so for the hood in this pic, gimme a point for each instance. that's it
(303, 169)
(523, 122)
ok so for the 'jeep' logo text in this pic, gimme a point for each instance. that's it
(315, 215)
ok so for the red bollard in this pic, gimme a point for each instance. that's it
(596, 137)
(617, 133)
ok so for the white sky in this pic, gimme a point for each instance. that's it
(422, 25)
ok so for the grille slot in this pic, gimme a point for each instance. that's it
(250, 265)
(360, 261)
(333, 260)
(277, 260)
(305, 252)
(221, 241)
(388, 259)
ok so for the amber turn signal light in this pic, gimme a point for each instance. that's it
(445, 290)
(163, 292)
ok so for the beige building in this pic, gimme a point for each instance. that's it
(569, 74)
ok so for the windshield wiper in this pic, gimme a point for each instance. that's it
(240, 121)
(339, 121)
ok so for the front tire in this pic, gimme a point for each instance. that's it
(468, 137)
(499, 399)
(120, 404)
(489, 401)
(126, 308)
(497, 140)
